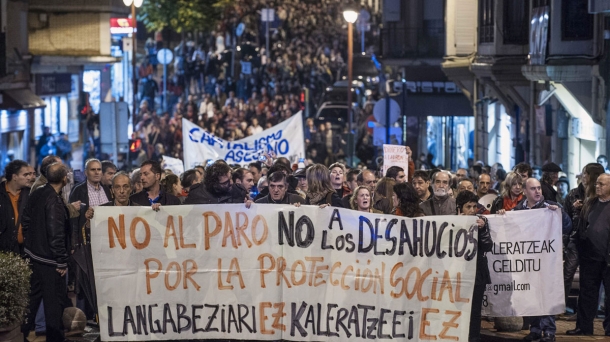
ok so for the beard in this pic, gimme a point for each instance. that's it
(440, 192)
(220, 190)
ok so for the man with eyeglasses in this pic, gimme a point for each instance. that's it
(440, 203)
(277, 191)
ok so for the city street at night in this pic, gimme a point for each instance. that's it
(304, 170)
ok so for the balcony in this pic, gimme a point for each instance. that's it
(398, 42)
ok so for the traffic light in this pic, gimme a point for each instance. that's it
(135, 145)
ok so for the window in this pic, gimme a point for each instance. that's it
(576, 22)
(516, 23)
(486, 21)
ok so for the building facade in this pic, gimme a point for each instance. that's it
(534, 74)
(437, 117)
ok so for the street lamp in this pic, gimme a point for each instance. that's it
(350, 15)
(134, 25)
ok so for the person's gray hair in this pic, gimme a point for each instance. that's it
(91, 160)
(441, 171)
(262, 180)
(121, 174)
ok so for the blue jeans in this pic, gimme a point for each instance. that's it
(41, 326)
(546, 324)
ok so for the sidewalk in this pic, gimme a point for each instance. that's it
(489, 334)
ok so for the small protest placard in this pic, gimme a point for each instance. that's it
(395, 155)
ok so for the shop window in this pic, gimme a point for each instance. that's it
(38, 122)
(487, 21)
(92, 80)
(576, 22)
(516, 22)
(63, 114)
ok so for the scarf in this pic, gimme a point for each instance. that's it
(508, 203)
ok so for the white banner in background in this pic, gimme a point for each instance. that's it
(525, 264)
(278, 272)
(285, 139)
(174, 164)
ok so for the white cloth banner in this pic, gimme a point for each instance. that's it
(279, 272)
(525, 265)
(285, 139)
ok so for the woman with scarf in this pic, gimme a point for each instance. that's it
(512, 193)
(319, 188)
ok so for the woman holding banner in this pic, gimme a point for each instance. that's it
(361, 200)
(319, 189)
(466, 204)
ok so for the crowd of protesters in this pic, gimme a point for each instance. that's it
(45, 225)
(306, 50)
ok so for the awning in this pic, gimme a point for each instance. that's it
(434, 105)
(19, 99)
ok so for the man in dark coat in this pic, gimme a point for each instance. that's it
(542, 328)
(216, 186)
(467, 204)
(594, 253)
(90, 193)
(278, 186)
(121, 190)
(14, 194)
(46, 231)
(550, 176)
(152, 194)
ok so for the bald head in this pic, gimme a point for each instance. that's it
(366, 178)
(57, 173)
(533, 191)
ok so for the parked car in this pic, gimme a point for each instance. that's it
(333, 112)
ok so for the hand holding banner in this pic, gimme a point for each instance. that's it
(280, 272)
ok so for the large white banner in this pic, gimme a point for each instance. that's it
(525, 264)
(284, 139)
(280, 272)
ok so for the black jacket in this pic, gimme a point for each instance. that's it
(575, 194)
(484, 245)
(566, 221)
(238, 191)
(81, 193)
(141, 199)
(198, 194)
(548, 191)
(111, 204)
(288, 199)
(8, 227)
(46, 228)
